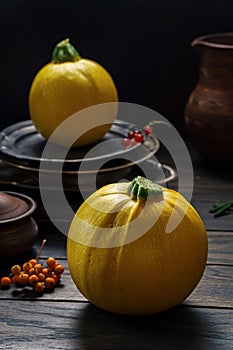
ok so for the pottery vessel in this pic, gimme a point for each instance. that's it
(209, 110)
(18, 230)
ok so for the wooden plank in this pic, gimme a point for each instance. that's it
(214, 289)
(212, 196)
(203, 200)
(220, 247)
(222, 223)
(61, 325)
(220, 244)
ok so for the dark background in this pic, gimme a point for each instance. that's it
(145, 45)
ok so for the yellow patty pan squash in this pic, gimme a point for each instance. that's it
(63, 87)
(122, 259)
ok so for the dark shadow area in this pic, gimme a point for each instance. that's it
(161, 331)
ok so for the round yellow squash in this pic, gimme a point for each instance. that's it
(65, 86)
(122, 259)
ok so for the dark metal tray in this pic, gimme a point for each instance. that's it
(22, 146)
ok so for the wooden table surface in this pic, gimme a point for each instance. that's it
(64, 319)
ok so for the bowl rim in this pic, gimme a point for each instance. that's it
(211, 40)
(32, 207)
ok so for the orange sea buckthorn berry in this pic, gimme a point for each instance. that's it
(41, 277)
(50, 283)
(33, 271)
(16, 279)
(33, 262)
(39, 287)
(51, 262)
(56, 264)
(16, 269)
(5, 281)
(59, 269)
(24, 278)
(38, 267)
(55, 277)
(27, 266)
(46, 272)
(33, 279)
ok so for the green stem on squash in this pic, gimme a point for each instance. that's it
(141, 188)
(65, 52)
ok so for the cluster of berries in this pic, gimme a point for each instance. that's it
(35, 274)
(136, 136)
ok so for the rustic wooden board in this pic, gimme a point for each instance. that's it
(222, 223)
(220, 247)
(62, 325)
(214, 289)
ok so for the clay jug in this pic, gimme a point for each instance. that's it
(209, 109)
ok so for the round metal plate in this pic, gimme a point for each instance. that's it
(22, 146)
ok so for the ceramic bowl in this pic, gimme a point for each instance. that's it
(18, 230)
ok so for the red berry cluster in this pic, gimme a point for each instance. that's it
(34, 274)
(136, 136)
